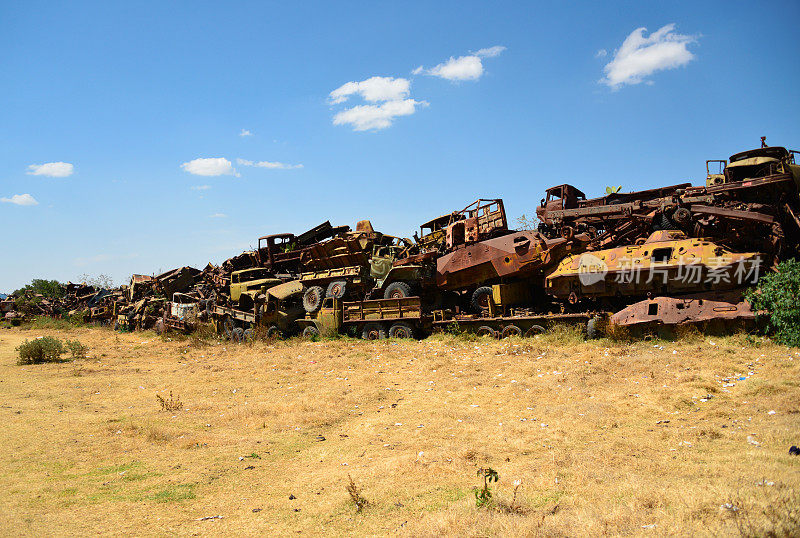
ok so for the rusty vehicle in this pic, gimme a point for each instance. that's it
(373, 319)
(484, 218)
(282, 253)
(512, 310)
(276, 311)
(357, 264)
(668, 262)
(525, 255)
(709, 311)
(479, 250)
(248, 284)
(182, 314)
(140, 285)
(749, 203)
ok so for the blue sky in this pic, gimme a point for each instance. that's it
(122, 102)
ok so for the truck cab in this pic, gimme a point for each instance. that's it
(247, 284)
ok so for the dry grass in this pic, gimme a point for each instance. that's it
(605, 437)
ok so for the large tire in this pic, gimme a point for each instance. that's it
(237, 335)
(401, 329)
(534, 330)
(480, 299)
(511, 330)
(310, 332)
(312, 299)
(373, 331)
(485, 330)
(682, 216)
(273, 332)
(336, 289)
(397, 290)
(593, 328)
(228, 326)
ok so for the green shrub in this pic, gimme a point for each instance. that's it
(776, 299)
(76, 349)
(39, 350)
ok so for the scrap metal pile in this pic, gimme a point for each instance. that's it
(647, 259)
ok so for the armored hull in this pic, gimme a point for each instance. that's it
(668, 262)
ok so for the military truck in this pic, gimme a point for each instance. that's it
(276, 311)
(181, 314)
(248, 284)
(372, 319)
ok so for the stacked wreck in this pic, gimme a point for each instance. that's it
(646, 259)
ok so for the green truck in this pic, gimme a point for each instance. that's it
(276, 310)
(247, 285)
(381, 278)
(372, 319)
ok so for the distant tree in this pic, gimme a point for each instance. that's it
(527, 223)
(50, 289)
(99, 281)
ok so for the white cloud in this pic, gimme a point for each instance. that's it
(641, 56)
(218, 166)
(469, 67)
(245, 132)
(268, 164)
(491, 52)
(217, 216)
(20, 199)
(57, 169)
(602, 53)
(376, 117)
(373, 89)
(200, 187)
(461, 68)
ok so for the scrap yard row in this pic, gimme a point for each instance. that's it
(644, 260)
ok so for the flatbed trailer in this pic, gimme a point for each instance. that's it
(233, 323)
(373, 319)
(519, 324)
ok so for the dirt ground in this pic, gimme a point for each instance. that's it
(650, 438)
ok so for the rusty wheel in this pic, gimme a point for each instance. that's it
(567, 232)
(227, 326)
(485, 330)
(511, 330)
(310, 332)
(312, 299)
(238, 335)
(397, 290)
(534, 330)
(401, 329)
(373, 331)
(336, 289)
(481, 298)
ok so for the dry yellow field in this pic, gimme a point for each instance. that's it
(651, 438)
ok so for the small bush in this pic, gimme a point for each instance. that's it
(76, 349)
(775, 299)
(171, 404)
(483, 496)
(41, 350)
(355, 495)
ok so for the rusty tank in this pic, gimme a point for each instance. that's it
(668, 262)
